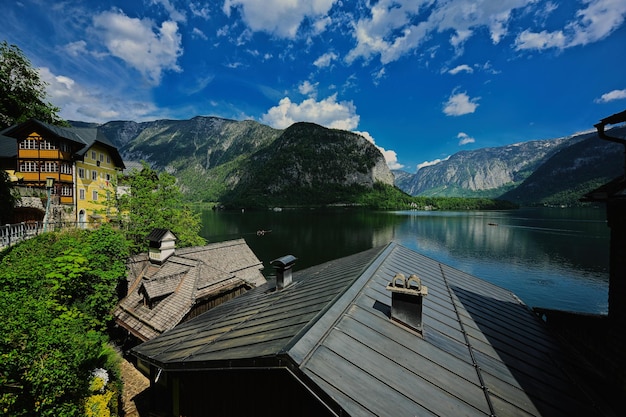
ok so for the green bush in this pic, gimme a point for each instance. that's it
(57, 291)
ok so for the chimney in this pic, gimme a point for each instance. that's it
(162, 244)
(283, 270)
(406, 300)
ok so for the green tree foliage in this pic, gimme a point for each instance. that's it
(56, 294)
(155, 201)
(7, 198)
(22, 92)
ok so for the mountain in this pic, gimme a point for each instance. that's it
(201, 152)
(486, 172)
(555, 171)
(217, 159)
(310, 164)
(573, 171)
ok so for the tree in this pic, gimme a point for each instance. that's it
(7, 198)
(155, 201)
(22, 92)
(56, 293)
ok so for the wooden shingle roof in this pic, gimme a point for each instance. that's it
(482, 352)
(185, 277)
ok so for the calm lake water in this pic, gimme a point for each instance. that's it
(553, 258)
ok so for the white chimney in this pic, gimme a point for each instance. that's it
(406, 300)
(162, 245)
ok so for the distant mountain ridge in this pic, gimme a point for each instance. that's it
(215, 158)
(554, 171)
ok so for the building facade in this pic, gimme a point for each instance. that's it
(76, 168)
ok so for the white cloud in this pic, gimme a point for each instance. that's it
(540, 40)
(136, 43)
(395, 28)
(431, 163)
(197, 33)
(327, 112)
(612, 95)
(461, 68)
(391, 158)
(76, 48)
(308, 89)
(200, 10)
(281, 17)
(379, 75)
(325, 60)
(595, 22)
(91, 104)
(175, 14)
(464, 138)
(459, 104)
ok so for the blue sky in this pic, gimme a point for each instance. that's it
(422, 79)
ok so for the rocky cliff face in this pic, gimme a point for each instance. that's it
(555, 171)
(487, 172)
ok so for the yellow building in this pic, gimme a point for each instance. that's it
(81, 162)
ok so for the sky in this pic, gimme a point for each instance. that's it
(422, 79)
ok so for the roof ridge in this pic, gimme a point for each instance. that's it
(339, 303)
(483, 385)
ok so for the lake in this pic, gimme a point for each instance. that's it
(549, 257)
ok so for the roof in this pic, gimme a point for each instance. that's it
(482, 352)
(92, 136)
(612, 189)
(156, 235)
(185, 277)
(8, 147)
(85, 138)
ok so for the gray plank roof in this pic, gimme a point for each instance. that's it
(483, 352)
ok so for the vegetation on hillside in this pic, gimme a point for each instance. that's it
(379, 197)
(56, 294)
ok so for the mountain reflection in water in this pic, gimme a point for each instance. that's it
(552, 258)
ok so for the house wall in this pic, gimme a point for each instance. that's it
(235, 392)
(96, 175)
(205, 304)
(41, 157)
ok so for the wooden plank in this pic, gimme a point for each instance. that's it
(399, 392)
(362, 346)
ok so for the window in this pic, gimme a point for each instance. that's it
(108, 177)
(108, 159)
(66, 168)
(93, 155)
(94, 195)
(65, 147)
(29, 166)
(47, 144)
(101, 157)
(50, 166)
(94, 175)
(81, 172)
(81, 193)
(28, 144)
(66, 190)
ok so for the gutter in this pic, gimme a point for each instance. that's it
(611, 120)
